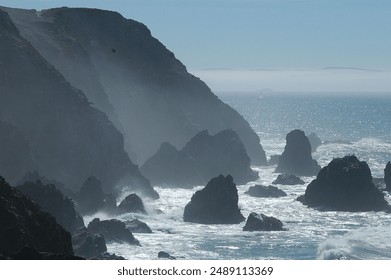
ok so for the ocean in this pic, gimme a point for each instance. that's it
(359, 125)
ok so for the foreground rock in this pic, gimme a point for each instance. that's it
(265, 191)
(30, 253)
(51, 200)
(217, 203)
(202, 158)
(296, 158)
(132, 204)
(88, 245)
(387, 176)
(136, 226)
(345, 184)
(262, 222)
(165, 255)
(113, 231)
(23, 223)
(284, 179)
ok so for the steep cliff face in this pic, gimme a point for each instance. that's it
(127, 73)
(70, 139)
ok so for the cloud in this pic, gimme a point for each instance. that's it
(331, 79)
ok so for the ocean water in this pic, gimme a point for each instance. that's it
(364, 123)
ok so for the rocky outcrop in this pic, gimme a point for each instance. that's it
(262, 222)
(265, 191)
(132, 204)
(88, 245)
(217, 203)
(165, 255)
(91, 198)
(345, 184)
(51, 200)
(315, 141)
(23, 223)
(128, 74)
(28, 252)
(387, 176)
(296, 158)
(284, 179)
(202, 158)
(136, 226)
(113, 231)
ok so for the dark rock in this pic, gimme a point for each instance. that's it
(262, 222)
(296, 158)
(2, 257)
(345, 184)
(69, 138)
(265, 191)
(91, 198)
(113, 231)
(202, 158)
(136, 226)
(23, 223)
(88, 245)
(143, 88)
(315, 141)
(273, 159)
(107, 256)
(165, 255)
(30, 253)
(51, 200)
(379, 183)
(217, 203)
(132, 204)
(387, 176)
(284, 179)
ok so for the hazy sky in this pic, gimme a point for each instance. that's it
(287, 41)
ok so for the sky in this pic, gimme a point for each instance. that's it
(284, 45)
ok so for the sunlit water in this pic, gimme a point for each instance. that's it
(311, 234)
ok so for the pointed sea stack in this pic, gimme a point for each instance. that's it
(345, 184)
(217, 203)
(296, 158)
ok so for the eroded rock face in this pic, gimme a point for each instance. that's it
(262, 222)
(136, 226)
(203, 157)
(265, 191)
(345, 184)
(113, 231)
(217, 203)
(296, 158)
(51, 200)
(284, 179)
(22, 223)
(387, 176)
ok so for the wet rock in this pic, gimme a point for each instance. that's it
(217, 203)
(165, 255)
(262, 222)
(132, 204)
(265, 191)
(296, 158)
(136, 226)
(345, 184)
(284, 179)
(107, 256)
(22, 223)
(387, 176)
(30, 253)
(88, 245)
(113, 231)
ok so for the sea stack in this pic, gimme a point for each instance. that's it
(296, 158)
(217, 203)
(345, 184)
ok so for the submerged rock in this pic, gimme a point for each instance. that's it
(217, 203)
(345, 184)
(136, 226)
(202, 158)
(296, 158)
(132, 204)
(22, 223)
(262, 222)
(51, 200)
(387, 176)
(285, 179)
(113, 231)
(265, 191)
